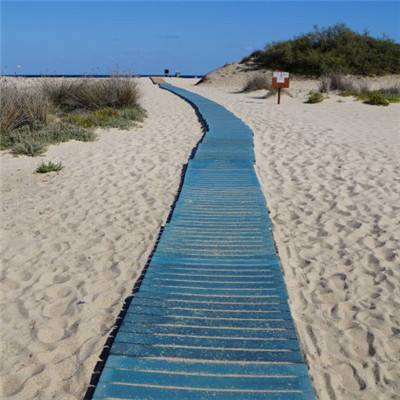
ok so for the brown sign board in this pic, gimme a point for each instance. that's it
(280, 80)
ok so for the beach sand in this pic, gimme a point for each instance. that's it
(331, 176)
(74, 243)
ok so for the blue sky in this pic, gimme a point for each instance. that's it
(79, 37)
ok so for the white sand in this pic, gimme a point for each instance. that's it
(331, 176)
(74, 243)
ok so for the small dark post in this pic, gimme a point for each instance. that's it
(279, 95)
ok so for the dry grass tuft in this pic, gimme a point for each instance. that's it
(21, 107)
(342, 83)
(93, 94)
(58, 111)
(258, 82)
(361, 89)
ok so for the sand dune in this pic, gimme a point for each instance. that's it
(331, 176)
(74, 243)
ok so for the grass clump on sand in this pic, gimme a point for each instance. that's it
(50, 166)
(28, 147)
(335, 48)
(93, 94)
(106, 117)
(24, 122)
(32, 118)
(90, 103)
(315, 97)
(257, 82)
(21, 107)
(33, 141)
(376, 99)
(262, 81)
(361, 90)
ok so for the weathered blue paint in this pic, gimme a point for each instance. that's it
(211, 318)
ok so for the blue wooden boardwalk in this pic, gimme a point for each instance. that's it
(211, 319)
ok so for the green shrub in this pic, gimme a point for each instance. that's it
(63, 132)
(315, 97)
(93, 94)
(34, 141)
(391, 93)
(50, 166)
(336, 48)
(28, 148)
(376, 99)
(106, 117)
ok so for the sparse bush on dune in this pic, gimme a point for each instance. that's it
(361, 89)
(106, 117)
(34, 141)
(391, 93)
(257, 82)
(315, 97)
(31, 119)
(376, 99)
(21, 107)
(339, 82)
(93, 94)
(28, 147)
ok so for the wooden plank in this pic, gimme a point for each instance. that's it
(211, 320)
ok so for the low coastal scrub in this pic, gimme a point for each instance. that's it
(21, 107)
(33, 118)
(336, 48)
(93, 94)
(315, 97)
(262, 82)
(33, 141)
(109, 102)
(106, 117)
(360, 89)
(376, 99)
(50, 166)
(257, 82)
(28, 147)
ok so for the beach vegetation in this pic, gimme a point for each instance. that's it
(28, 147)
(258, 82)
(376, 99)
(315, 97)
(33, 141)
(361, 89)
(106, 117)
(49, 166)
(336, 48)
(343, 84)
(20, 107)
(31, 118)
(93, 94)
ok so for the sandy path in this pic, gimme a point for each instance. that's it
(331, 175)
(74, 243)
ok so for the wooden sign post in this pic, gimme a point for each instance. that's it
(280, 80)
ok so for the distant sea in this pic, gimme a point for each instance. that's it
(96, 76)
